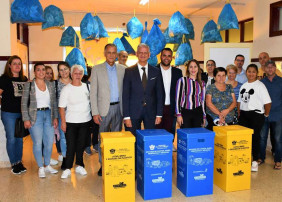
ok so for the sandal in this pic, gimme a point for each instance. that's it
(260, 161)
(277, 166)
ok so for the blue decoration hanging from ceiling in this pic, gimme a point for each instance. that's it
(69, 37)
(183, 53)
(177, 24)
(26, 11)
(126, 44)
(88, 27)
(190, 28)
(153, 61)
(53, 17)
(145, 34)
(134, 28)
(210, 33)
(227, 18)
(119, 45)
(75, 57)
(156, 40)
(172, 40)
(102, 30)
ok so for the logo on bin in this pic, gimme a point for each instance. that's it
(152, 147)
(219, 170)
(120, 185)
(239, 173)
(112, 151)
(234, 142)
(158, 180)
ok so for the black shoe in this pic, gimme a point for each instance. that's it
(100, 172)
(63, 166)
(16, 169)
(22, 168)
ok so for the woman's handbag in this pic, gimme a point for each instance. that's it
(20, 131)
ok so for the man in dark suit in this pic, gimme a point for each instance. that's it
(143, 93)
(170, 76)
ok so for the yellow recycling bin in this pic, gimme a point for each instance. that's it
(232, 157)
(118, 164)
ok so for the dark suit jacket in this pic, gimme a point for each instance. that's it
(134, 94)
(175, 75)
(205, 77)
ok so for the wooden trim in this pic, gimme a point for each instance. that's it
(226, 36)
(272, 58)
(274, 19)
(45, 62)
(4, 58)
(201, 62)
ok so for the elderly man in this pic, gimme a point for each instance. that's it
(273, 84)
(143, 93)
(241, 74)
(122, 57)
(106, 94)
(263, 58)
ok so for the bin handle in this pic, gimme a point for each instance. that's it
(201, 140)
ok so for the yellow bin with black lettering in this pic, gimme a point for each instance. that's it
(118, 166)
(232, 157)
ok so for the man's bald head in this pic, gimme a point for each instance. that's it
(263, 58)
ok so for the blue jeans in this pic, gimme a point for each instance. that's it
(63, 142)
(42, 131)
(14, 145)
(277, 129)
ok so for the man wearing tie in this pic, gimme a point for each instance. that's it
(143, 93)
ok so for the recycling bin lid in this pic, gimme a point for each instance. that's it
(154, 134)
(233, 130)
(195, 132)
(117, 137)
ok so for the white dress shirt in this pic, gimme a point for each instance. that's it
(167, 82)
(141, 70)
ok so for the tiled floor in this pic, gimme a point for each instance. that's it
(266, 184)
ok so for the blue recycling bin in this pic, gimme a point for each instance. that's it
(195, 154)
(154, 163)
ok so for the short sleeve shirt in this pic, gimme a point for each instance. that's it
(12, 93)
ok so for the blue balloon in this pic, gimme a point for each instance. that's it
(210, 33)
(183, 54)
(145, 34)
(68, 38)
(102, 30)
(227, 19)
(26, 11)
(119, 45)
(156, 40)
(88, 27)
(134, 28)
(53, 17)
(174, 39)
(153, 60)
(126, 44)
(75, 57)
(177, 24)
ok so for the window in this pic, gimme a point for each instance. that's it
(275, 25)
(241, 35)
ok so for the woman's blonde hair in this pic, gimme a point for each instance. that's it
(232, 67)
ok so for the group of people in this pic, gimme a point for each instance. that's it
(157, 96)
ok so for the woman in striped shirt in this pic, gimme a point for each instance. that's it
(190, 97)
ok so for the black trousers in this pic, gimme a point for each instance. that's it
(94, 130)
(76, 137)
(192, 118)
(255, 121)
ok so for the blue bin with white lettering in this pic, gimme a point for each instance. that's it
(154, 163)
(195, 154)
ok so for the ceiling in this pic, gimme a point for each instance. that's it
(161, 7)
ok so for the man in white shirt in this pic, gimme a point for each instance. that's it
(170, 77)
(241, 74)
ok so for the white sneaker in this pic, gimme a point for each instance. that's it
(66, 174)
(41, 172)
(254, 166)
(80, 170)
(49, 169)
(60, 158)
(53, 162)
